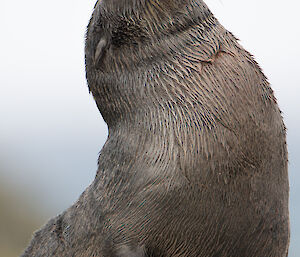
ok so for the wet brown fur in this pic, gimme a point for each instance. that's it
(195, 163)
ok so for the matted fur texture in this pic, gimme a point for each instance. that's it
(195, 164)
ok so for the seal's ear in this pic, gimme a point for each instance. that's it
(100, 50)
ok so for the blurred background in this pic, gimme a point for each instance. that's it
(51, 131)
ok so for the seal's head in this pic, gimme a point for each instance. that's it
(127, 40)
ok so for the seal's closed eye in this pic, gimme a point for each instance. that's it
(125, 251)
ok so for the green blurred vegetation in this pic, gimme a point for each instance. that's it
(18, 220)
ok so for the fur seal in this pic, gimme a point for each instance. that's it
(195, 163)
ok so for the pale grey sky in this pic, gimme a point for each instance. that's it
(49, 122)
